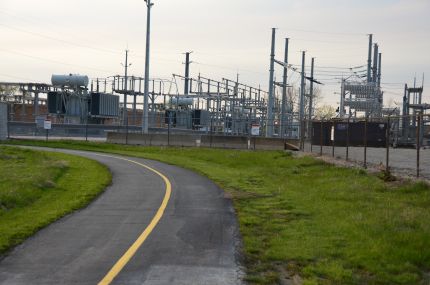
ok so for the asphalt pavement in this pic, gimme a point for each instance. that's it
(196, 240)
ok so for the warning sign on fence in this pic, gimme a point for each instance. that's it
(255, 130)
(47, 124)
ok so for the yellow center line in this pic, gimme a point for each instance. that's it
(119, 265)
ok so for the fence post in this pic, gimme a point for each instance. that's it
(311, 128)
(302, 130)
(347, 139)
(210, 144)
(168, 130)
(86, 130)
(365, 143)
(321, 137)
(333, 142)
(126, 125)
(387, 138)
(8, 118)
(418, 143)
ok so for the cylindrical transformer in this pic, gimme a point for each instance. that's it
(70, 80)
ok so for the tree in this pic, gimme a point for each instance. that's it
(315, 100)
(7, 90)
(325, 112)
(293, 99)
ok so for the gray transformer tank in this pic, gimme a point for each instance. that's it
(104, 105)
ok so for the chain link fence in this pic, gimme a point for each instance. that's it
(399, 144)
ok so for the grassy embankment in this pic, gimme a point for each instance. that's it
(37, 188)
(303, 217)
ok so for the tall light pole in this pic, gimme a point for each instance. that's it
(284, 91)
(269, 124)
(146, 85)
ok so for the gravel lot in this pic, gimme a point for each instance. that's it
(402, 161)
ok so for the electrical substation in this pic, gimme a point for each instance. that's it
(224, 106)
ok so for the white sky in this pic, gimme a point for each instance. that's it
(44, 37)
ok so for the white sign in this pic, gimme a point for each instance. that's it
(255, 130)
(47, 124)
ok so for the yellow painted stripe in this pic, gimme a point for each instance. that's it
(119, 265)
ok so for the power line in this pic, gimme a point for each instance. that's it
(45, 19)
(229, 68)
(59, 40)
(16, 77)
(78, 45)
(332, 67)
(325, 32)
(325, 41)
(54, 61)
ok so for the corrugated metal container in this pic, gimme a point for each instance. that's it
(104, 105)
(376, 133)
(3, 121)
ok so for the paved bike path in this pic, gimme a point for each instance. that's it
(195, 241)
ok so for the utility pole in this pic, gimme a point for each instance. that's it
(375, 63)
(369, 59)
(269, 124)
(302, 95)
(146, 85)
(379, 69)
(284, 91)
(126, 65)
(187, 72)
(311, 96)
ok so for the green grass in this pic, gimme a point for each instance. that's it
(37, 188)
(301, 216)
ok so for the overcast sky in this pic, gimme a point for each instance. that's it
(44, 37)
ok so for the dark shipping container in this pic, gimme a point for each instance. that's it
(376, 133)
